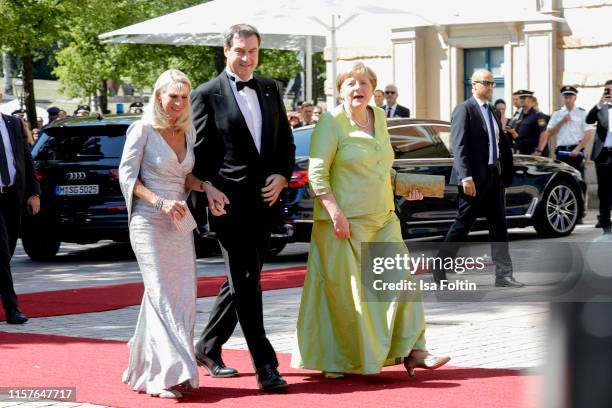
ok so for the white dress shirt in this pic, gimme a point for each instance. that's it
(485, 117)
(10, 158)
(391, 111)
(249, 106)
(570, 133)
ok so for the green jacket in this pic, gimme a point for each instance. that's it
(352, 165)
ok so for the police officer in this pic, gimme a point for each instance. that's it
(530, 128)
(516, 104)
(568, 123)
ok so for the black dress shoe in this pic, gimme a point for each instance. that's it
(508, 282)
(269, 380)
(16, 317)
(216, 369)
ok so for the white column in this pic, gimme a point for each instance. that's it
(448, 83)
(308, 76)
(407, 71)
(508, 78)
(541, 63)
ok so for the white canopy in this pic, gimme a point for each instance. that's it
(9, 107)
(311, 25)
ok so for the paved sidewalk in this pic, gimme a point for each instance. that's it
(506, 333)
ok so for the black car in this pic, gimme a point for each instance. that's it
(545, 193)
(76, 163)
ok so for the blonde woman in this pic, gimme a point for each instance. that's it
(157, 157)
(350, 173)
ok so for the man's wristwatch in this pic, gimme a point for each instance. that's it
(202, 185)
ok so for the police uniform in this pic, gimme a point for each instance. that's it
(529, 126)
(570, 134)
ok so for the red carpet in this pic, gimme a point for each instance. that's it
(112, 297)
(94, 367)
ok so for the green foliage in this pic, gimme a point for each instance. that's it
(71, 28)
(31, 24)
(278, 64)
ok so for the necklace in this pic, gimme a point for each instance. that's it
(367, 124)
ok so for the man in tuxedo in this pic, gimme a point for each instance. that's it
(247, 153)
(482, 168)
(17, 182)
(602, 154)
(392, 108)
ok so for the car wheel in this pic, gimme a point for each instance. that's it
(558, 212)
(40, 247)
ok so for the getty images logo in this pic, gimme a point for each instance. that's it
(77, 175)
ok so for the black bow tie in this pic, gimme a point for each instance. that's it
(250, 83)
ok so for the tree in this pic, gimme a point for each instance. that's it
(26, 26)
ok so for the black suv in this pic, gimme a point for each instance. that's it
(77, 162)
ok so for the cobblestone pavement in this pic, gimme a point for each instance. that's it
(506, 332)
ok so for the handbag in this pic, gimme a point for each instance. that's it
(186, 224)
(428, 185)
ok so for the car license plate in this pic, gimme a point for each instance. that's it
(81, 189)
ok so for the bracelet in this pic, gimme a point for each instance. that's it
(159, 203)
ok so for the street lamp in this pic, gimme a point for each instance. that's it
(18, 88)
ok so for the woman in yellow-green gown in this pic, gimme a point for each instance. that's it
(350, 174)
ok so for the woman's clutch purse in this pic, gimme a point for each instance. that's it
(185, 224)
(428, 185)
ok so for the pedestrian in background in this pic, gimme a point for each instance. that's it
(568, 125)
(500, 107)
(482, 168)
(17, 184)
(529, 129)
(379, 98)
(316, 113)
(157, 157)
(392, 108)
(306, 115)
(601, 154)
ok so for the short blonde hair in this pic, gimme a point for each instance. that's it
(357, 68)
(154, 112)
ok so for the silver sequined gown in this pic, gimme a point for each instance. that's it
(161, 350)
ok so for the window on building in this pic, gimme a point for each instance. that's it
(484, 58)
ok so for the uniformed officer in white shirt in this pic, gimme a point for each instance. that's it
(568, 123)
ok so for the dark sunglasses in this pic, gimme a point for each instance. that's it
(390, 92)
(486, 83)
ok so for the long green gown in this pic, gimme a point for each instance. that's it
(337, 330)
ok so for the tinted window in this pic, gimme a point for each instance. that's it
(81, 143)
(301, 138)
(415, 141)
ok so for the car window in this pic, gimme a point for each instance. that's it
(80, 143)
(413, 141)
(443, 134)
(301, 139)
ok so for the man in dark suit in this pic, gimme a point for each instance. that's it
(17, 182)
(482, 168)
(602, 154)
(392, 108)
(247, 153)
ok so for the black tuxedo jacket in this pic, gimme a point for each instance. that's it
(601, 117)
(25, 178)
(227, 155)
(470, 140)
(400, 111)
